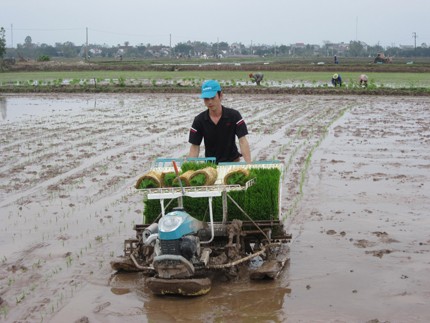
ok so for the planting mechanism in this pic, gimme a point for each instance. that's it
(182, 254)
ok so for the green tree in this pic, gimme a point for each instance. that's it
(356, 49)
(140, 49)
(218, 48)
(394, 51)
(68, 49)
(223, 46)
(374, 50)
(28, 42)
(284, 50)
(2, 42)
(45, 49)
(201, 48)
(184, 49)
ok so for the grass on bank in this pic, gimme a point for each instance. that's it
(271, 78)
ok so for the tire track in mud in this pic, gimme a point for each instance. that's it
(293, 128)
(365, 199)
(82, 147)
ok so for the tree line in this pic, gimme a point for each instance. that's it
(192, 49)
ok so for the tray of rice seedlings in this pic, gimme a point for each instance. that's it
(261, 201)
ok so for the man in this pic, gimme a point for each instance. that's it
(363, 80)
(218, 126)
(256, 78)
(336, 80)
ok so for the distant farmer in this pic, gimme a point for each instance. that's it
(256, 78)
(336, 80)
(363, 80)
(336, 60)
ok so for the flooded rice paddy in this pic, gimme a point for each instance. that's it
(355, 198)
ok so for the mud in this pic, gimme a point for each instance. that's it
(304, 64)
(355, 197)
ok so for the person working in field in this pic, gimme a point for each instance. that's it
(363, 80)
(256, 78)
(336, 80)
(218, 126)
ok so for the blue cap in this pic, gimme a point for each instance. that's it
(210, 89)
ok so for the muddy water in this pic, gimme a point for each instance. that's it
(362, 244)
(359, 217)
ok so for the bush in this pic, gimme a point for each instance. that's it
(43, 58)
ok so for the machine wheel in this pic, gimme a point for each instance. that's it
(185, 287)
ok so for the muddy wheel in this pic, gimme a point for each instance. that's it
(273, 265)
(123, 264)
(185, 287)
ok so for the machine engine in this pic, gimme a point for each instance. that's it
(178, 245)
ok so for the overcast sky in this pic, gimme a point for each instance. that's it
(168, 22)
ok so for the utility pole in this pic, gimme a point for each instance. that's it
(356, 28)
(11, 35)
(170, 45)
(86, 46)
(414, 36)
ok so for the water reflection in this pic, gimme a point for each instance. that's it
(230, 303)
(240, 300)
(3, 108)
(20, 108)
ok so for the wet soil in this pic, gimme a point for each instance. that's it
(307, 65)
(170, 89)
(355, 198)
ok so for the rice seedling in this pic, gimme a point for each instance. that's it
(4, 310)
